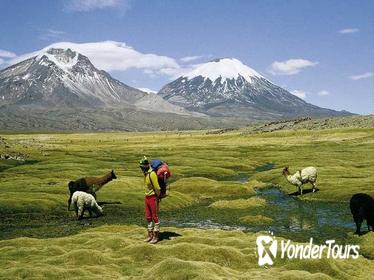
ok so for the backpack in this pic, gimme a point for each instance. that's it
(163, 173)
(161, 168)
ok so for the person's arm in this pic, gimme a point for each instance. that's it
(154, 181)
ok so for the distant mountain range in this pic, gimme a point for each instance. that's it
(227, 87)
(65, 78)
(60, 89)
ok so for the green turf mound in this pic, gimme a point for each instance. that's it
(119, 252)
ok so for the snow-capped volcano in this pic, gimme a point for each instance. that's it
(64, 59)
(63, 77)
(227, 87)
(224, 68)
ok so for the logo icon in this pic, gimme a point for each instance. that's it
(266, 249)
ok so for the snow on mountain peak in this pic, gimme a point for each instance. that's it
(64, 59)
(226, 68)
(147, 90)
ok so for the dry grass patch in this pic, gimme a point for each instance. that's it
(239, 203)
(256, 220)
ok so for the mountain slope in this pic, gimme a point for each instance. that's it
(60, 89)
(64, 78)
(26, 118)
(227, 87)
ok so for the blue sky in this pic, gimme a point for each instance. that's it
(322, 51)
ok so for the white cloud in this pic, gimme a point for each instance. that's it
(191, 58)
(116, 56)
(323, 93)
(348, 30)
(1, 61)
(362, 76)
(7, 54)
(90, 5)
(299, 93)
(52, 34)
(290, 67)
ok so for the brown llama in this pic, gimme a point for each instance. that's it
(89, 184)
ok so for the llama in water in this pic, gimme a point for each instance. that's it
(89, 185)
(362, 208)
(301, 177)
(84, 201)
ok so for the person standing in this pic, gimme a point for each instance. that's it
(152, 193)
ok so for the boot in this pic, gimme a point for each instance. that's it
(155, 238)
(149, 237)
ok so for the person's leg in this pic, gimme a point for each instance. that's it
(154, 212)
(148, 217)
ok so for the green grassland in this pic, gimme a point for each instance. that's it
(215, 176)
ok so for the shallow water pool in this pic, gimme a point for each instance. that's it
(292, 217)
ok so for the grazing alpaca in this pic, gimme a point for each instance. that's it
(306, 175)
(362, 207)
(89, 185)
(84, 201)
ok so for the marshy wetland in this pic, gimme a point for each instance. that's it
(226, 189)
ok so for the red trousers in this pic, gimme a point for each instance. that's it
(150, 209)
